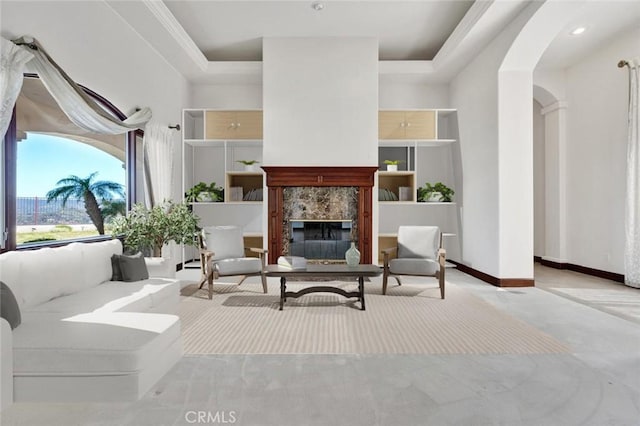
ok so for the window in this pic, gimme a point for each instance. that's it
(44, 147)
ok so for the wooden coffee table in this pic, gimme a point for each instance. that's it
(335, 271)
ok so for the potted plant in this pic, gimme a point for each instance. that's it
(203, 192)
(150, 229)
(392, 165)
(434, 193)
(249, 165)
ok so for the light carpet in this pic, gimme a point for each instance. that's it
(410, 319)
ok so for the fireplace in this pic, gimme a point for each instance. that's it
(326, 194)
(319, 239)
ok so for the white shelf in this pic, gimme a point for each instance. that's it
(223, 142)
(414, 142)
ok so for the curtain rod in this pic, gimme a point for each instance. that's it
(623, 63)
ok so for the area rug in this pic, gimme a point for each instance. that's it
(409, 319)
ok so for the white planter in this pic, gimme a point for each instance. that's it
(250, 167)
(435, 197)
(392, 167)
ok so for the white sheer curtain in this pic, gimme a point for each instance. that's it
(158, 162)
(76, 104)
(632, 223)
(12, 65)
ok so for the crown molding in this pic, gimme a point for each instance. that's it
(462, 30)
(177, 32)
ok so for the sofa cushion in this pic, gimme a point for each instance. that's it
(48, 273)
(96, 261)
(93, 343)
(115, 296)
(133, 268)
(9, 309)
(10, 266)
(418, 242)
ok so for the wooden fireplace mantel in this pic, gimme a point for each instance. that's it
(279, 177)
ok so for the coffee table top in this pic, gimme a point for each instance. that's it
(321, 270)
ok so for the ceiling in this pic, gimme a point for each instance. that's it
(233, 30)
(426, 41)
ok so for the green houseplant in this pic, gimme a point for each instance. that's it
(151, 229)
(205, 192)
(392, 165)
(436, 192)
(249, 165)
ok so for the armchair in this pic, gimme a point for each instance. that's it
(222, 254)
(419, 252)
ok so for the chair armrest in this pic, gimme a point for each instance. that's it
(261, 254)
(442, 254)
(387, 252)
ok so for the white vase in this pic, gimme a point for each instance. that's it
(352, 255)
(392, 167)
(250, 167)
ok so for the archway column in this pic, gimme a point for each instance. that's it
(515, 176)
(555, 182)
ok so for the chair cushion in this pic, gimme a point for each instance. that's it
(224, 241)
(413, 266)
(418, 242)
(241, 266)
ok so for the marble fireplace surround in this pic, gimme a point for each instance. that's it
(318, 192)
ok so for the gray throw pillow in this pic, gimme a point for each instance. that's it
(9, 308)
(133, 268)
(116, 274)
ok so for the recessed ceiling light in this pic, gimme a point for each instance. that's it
(578, 31)
(317, 6)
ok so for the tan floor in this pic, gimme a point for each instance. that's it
(605, 295)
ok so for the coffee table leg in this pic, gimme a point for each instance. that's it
(361, 289)
(283, 288)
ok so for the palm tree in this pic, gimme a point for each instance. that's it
(113, 208)
(88, 190)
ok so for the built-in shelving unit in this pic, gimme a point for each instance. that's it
(426, 144)
(214, 143)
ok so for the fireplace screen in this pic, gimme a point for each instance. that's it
(320, 239)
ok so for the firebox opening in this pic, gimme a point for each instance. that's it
(320, 239)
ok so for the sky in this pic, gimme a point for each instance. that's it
(43, 160)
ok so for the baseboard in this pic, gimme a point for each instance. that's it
(495, 281)
(582, 269)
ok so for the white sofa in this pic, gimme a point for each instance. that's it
(84, 337)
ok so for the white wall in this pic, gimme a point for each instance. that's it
(223, 96)
(597, 97)
(538, 181)
(100, 51)
(413, 95)
(320, 99)
(474, 92)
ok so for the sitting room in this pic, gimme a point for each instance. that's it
(329, 212)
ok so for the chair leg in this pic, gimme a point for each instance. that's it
(397, 279)
(263, 277)
(441, 281)
(210, 278)
(385, 276)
